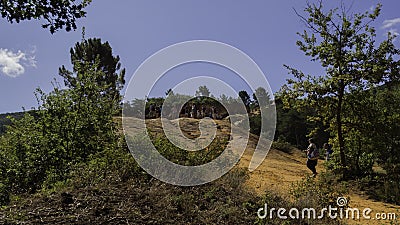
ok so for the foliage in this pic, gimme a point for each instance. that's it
(223, 201)
(255, 124)
(387, 191)
(111, 182)
(345, 45)
(376, 138)
(25, 155)
(134, 108)
(292, 125)
(5, 120)
(318, 194)
(111, 188)
(113, 165)
(244, 96)
(282, 146)
(184, 157)
(385, 135)
(263, 98)
(308, 193)
(58, 14)
(379, 187)
(99, 55)
(203, 91)
(4, 194)
(69, 126)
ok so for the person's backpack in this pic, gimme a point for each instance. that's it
(314, 153)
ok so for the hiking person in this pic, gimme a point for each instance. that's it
(193, 112)
(158, 111)
(213, 111)
(328, 151)
(312, 156)
(203, 111)
(152, 111)
(187, 111)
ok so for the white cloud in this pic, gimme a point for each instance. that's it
(390, 23)
(12, 63)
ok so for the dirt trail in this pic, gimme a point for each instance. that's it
(279, 170)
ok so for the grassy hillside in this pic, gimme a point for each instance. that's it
(112, 189)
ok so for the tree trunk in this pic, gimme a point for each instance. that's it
(357, 160)
(339, 129)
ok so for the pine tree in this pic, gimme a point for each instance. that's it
(94, 52)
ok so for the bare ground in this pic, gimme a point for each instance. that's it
(279, 170)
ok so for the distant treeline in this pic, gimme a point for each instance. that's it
(203, 104)
(4, 119)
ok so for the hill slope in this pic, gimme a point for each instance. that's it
(279, 170)
(124, 202)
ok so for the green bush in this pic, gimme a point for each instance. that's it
(255, 124)
(69, 126)
(109, 166)
(390, 191)
(381, 188)
(282, 146)
(318, 194)
(223, 201)
(4, 194)
(182, 156)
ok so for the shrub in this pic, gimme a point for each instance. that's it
(110, 166)
(282, 146)
(318, 194)
(4, 194)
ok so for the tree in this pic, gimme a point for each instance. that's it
(58, 14)
(244, 96)
(69, 126)
(291, 125)
(344, 44)
(83, 111)
(203, 91)
(263, 97)
(94, 52)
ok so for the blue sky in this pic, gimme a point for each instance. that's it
(265, 30)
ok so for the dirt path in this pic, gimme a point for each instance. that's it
(279, 170)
